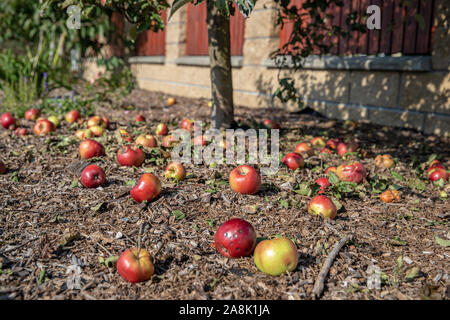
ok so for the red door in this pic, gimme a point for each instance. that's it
(151, 43)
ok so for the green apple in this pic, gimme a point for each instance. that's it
(276, 256)
(54, 120)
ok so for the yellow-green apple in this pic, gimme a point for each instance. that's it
(322, 205)
(146, 140)
(139, 118)
(384, 160)
(235, 238)
(171, 101)
(293, 161)
(276, 256)
(72, 116)
(162, 129)
(97, 121)
(8, 121)
(32, 114)
(43, 127)
(318, 142)
(271, 124)
(130, 156)
(437, 173)
(169, 141)
(176, 171)
(135, 265)
(147, 188)
(2, 168)
(333, 143)
(354, 172)
(304, 148)
(84, 134)
(93, 176)
(91, 148)
(245, 180)
(55, 120)
(343, 148)
(323, 183)
(98, 131)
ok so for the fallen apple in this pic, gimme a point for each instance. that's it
(322, 205)
(326, 151)
(187, 124)
(93, 176)
(130, 156)
(84, 134)
(171, 101)
(147, 141)
(384, 160)
(235, 238)
(32, 114)
(333, 169)
(344, 148)
(199, 141)
(135, 265)
(276, 256)
(162, 129)
(8, 121)
(97, 121)
(169, 141)
(139, 118)
(147, 188)
(271, 124)
(91, 148)
(98, 131)
(390, 196)
(318, 142)
(304, 148)
(21, 132)
(43, 127)
(437, 173)
(323, 183)
(245, 180)
(55, 120)
(176, 171)
(333, 143)
(72, 116)
(354, 172)
(293, 161)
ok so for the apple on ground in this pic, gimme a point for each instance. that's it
(390, 196)
(199, 141)
(322, 205)
(436, 165)
(130, 156)
(176, 171)
(55, 120)
(139, 118)
(32, 114)
(147, 188)
(276, 256)
(304, 148)
(235, 238)
(323, 183)
(123, 136)
(2, 167)
(97, 121)
(98, 131)
(84, 134)
(354, 172)
(43, 127)
(91, 148)
(333, 143)
(21, 132)
(343, 148)
(8, 121)
(384, 160)
(293, 161)
(93, 176)
(169, 141)
(171, 101)
(147, 140)
(318, 142)
(187, 124)
(326, 151)
(245, 180)
(437, 173)
(162, 129)
(135, 265)
(271, 124)
(72, 116)
(334, 169)
(210, 103)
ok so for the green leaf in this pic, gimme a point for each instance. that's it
(111, 261)
(398, 242)
(179, 215)
(397, 175)
(337, 204)
(442, 242)
(131, 183)
(439, 183)
(412, 273)
(97, 207)
(332, 177)
(74, 183)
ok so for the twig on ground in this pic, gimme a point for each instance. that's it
(320, 281)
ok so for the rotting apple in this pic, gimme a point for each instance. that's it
(390, 196)
(135, 265)
(130, 156)
(162, 129)
(354, 172)
(384, 160)
(21, 132)
(91, 148)
(293, 161)
(437, 173)
(43, 127)
(55, 120)
(176, 171)
(304, 148)
(276, 256)
(147, 188)
(93, 176)
(318, 142)
(84, 134)
(323, 183)
(245, 180)
(322, 205)
(344, 148)
(235, 238)
(146, 140)
(8, 121)
(32, 114)
(72, 116)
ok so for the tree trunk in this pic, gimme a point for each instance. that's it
(220, 64)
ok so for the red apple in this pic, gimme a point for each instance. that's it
(333, 143)
(187, 124)
(139, 118)
(304, 148)
(97, 121)
(354, 172)
(276, 256)
(147, 189)
(72, 116)
(43, 127)
(147, 141)
(91, 148)
(322, 205)
(2, 168)
(235, 238)
(271, 124)
(8, 121)
(21, 132)
(98, 131)
(93, 176)
(84, 134)
(199, 141)
(130, 156)
(123, 136)
(169, 141)
(135, 265)
(55, 120)
(326, 151)
(176, 171)
(436, 165)
(162, 129)
(318, 142)
(323, 183)
(437, 173)
(245, 180)
(343, 148)
(334, 169)
(32, 114)
(293, 161)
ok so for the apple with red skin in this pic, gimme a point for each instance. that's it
(93, 176)
(187, 124)
(123, 136)
(2, 168)
(323, 183)
(326, 151)
(21, 132)
(43, 127)
(147, 141)
(435, 161)
(98, 121)
(436, 165)
(147, 188)
(199, 141)
(135, 265)
(55, 120)
(276, 256)
(72, 116)
(235, 238)
(8, 121)
(343, 148)
(130, 156)
(322, 205)
(32, 114)
(333, 143)
(245, 180)
(139, 118)
(437, 173)
(84, 134)
(98, 131)
(304, 148)
(176, 171)
(334, 169)
(171, 101)
(162, 129)
(354, 172)
(91, 148)
(271, 124)
(293, 161)
(169, 141)
(318, 142)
